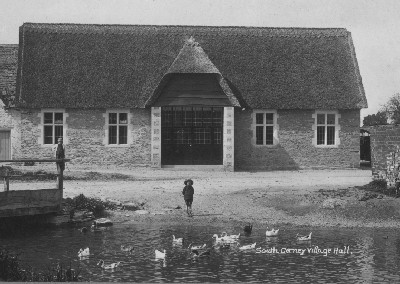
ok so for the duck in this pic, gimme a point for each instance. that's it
(177, 240)
(246, 247)
(197, 247)
(94, 228)
(127, 248)
(83, 252)
(196, 253)
(83, 230)
(248, 228)
(304, 238)
(109, 266)
(225, 239)
(271, 233)
(235, 237)
(160, 255)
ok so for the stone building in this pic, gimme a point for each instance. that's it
(233, 98)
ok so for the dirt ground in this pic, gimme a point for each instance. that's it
(306, 197)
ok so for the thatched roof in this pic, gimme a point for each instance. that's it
(8, 72)
(98, 66)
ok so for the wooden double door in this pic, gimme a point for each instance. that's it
(191, 135)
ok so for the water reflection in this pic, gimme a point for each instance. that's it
(372, 255)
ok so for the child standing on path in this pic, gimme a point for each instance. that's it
(188, 192)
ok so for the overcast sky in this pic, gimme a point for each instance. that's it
(374, 25)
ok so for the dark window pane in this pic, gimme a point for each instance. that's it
(177, 116)
(269, 135)
(123, 118)
(331, 118)
(166, 136)
(217, 116)
(187, 116)
(58, 118)
(112, 135)
(182, 135)
(166, 118)
(320, 135)
(112, 118)
(259, 135)
(48, 117)
(48, 135)
(202, 136)
(269, 117)
(207, 116)
(217, 135)
(259, 118)
(58, 129)
(320, 118)
(331, 135)
(123, 135)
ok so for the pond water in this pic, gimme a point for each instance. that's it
(356, 255)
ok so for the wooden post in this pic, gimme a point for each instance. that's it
(60, 177)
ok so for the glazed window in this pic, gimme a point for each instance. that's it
(53, 127)
(265, 127)
(326, 128)
(117, 128)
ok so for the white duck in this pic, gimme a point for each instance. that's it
(225, 239)
(304, 238)
(127, 248)
(271, 233)
(252, 246)
(198, 247)
(177, 240)
(83, 252)
(109, 266)
(160, 255)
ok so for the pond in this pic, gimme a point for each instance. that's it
(334, 255)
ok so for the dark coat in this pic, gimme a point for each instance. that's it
(188, 192)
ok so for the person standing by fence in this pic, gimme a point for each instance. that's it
(59, 150)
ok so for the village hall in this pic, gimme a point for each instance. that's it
(223, 98)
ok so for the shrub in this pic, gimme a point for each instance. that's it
(95, 205)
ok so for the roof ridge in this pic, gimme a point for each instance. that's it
(93, 28)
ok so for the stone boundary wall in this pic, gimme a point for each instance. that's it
(385, 151)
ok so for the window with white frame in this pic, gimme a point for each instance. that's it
(327, 128)
(53, 126)
(265, 127)
(117, 128)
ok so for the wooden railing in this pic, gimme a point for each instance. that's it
(31, 202)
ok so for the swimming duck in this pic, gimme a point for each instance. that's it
(83, 230)
(252, 246)
(225, 239)
(109, 266)
(196, 247)
(127, 248)
(94, 228)
(160, 255)
(304, 238)
(83, 252)
(248, 228)
(196, 253)
(271, 233)
(177, 240)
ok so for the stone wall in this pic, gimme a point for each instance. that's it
(385, 151)
(295, 149)
(8, 72)
(85, 138)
